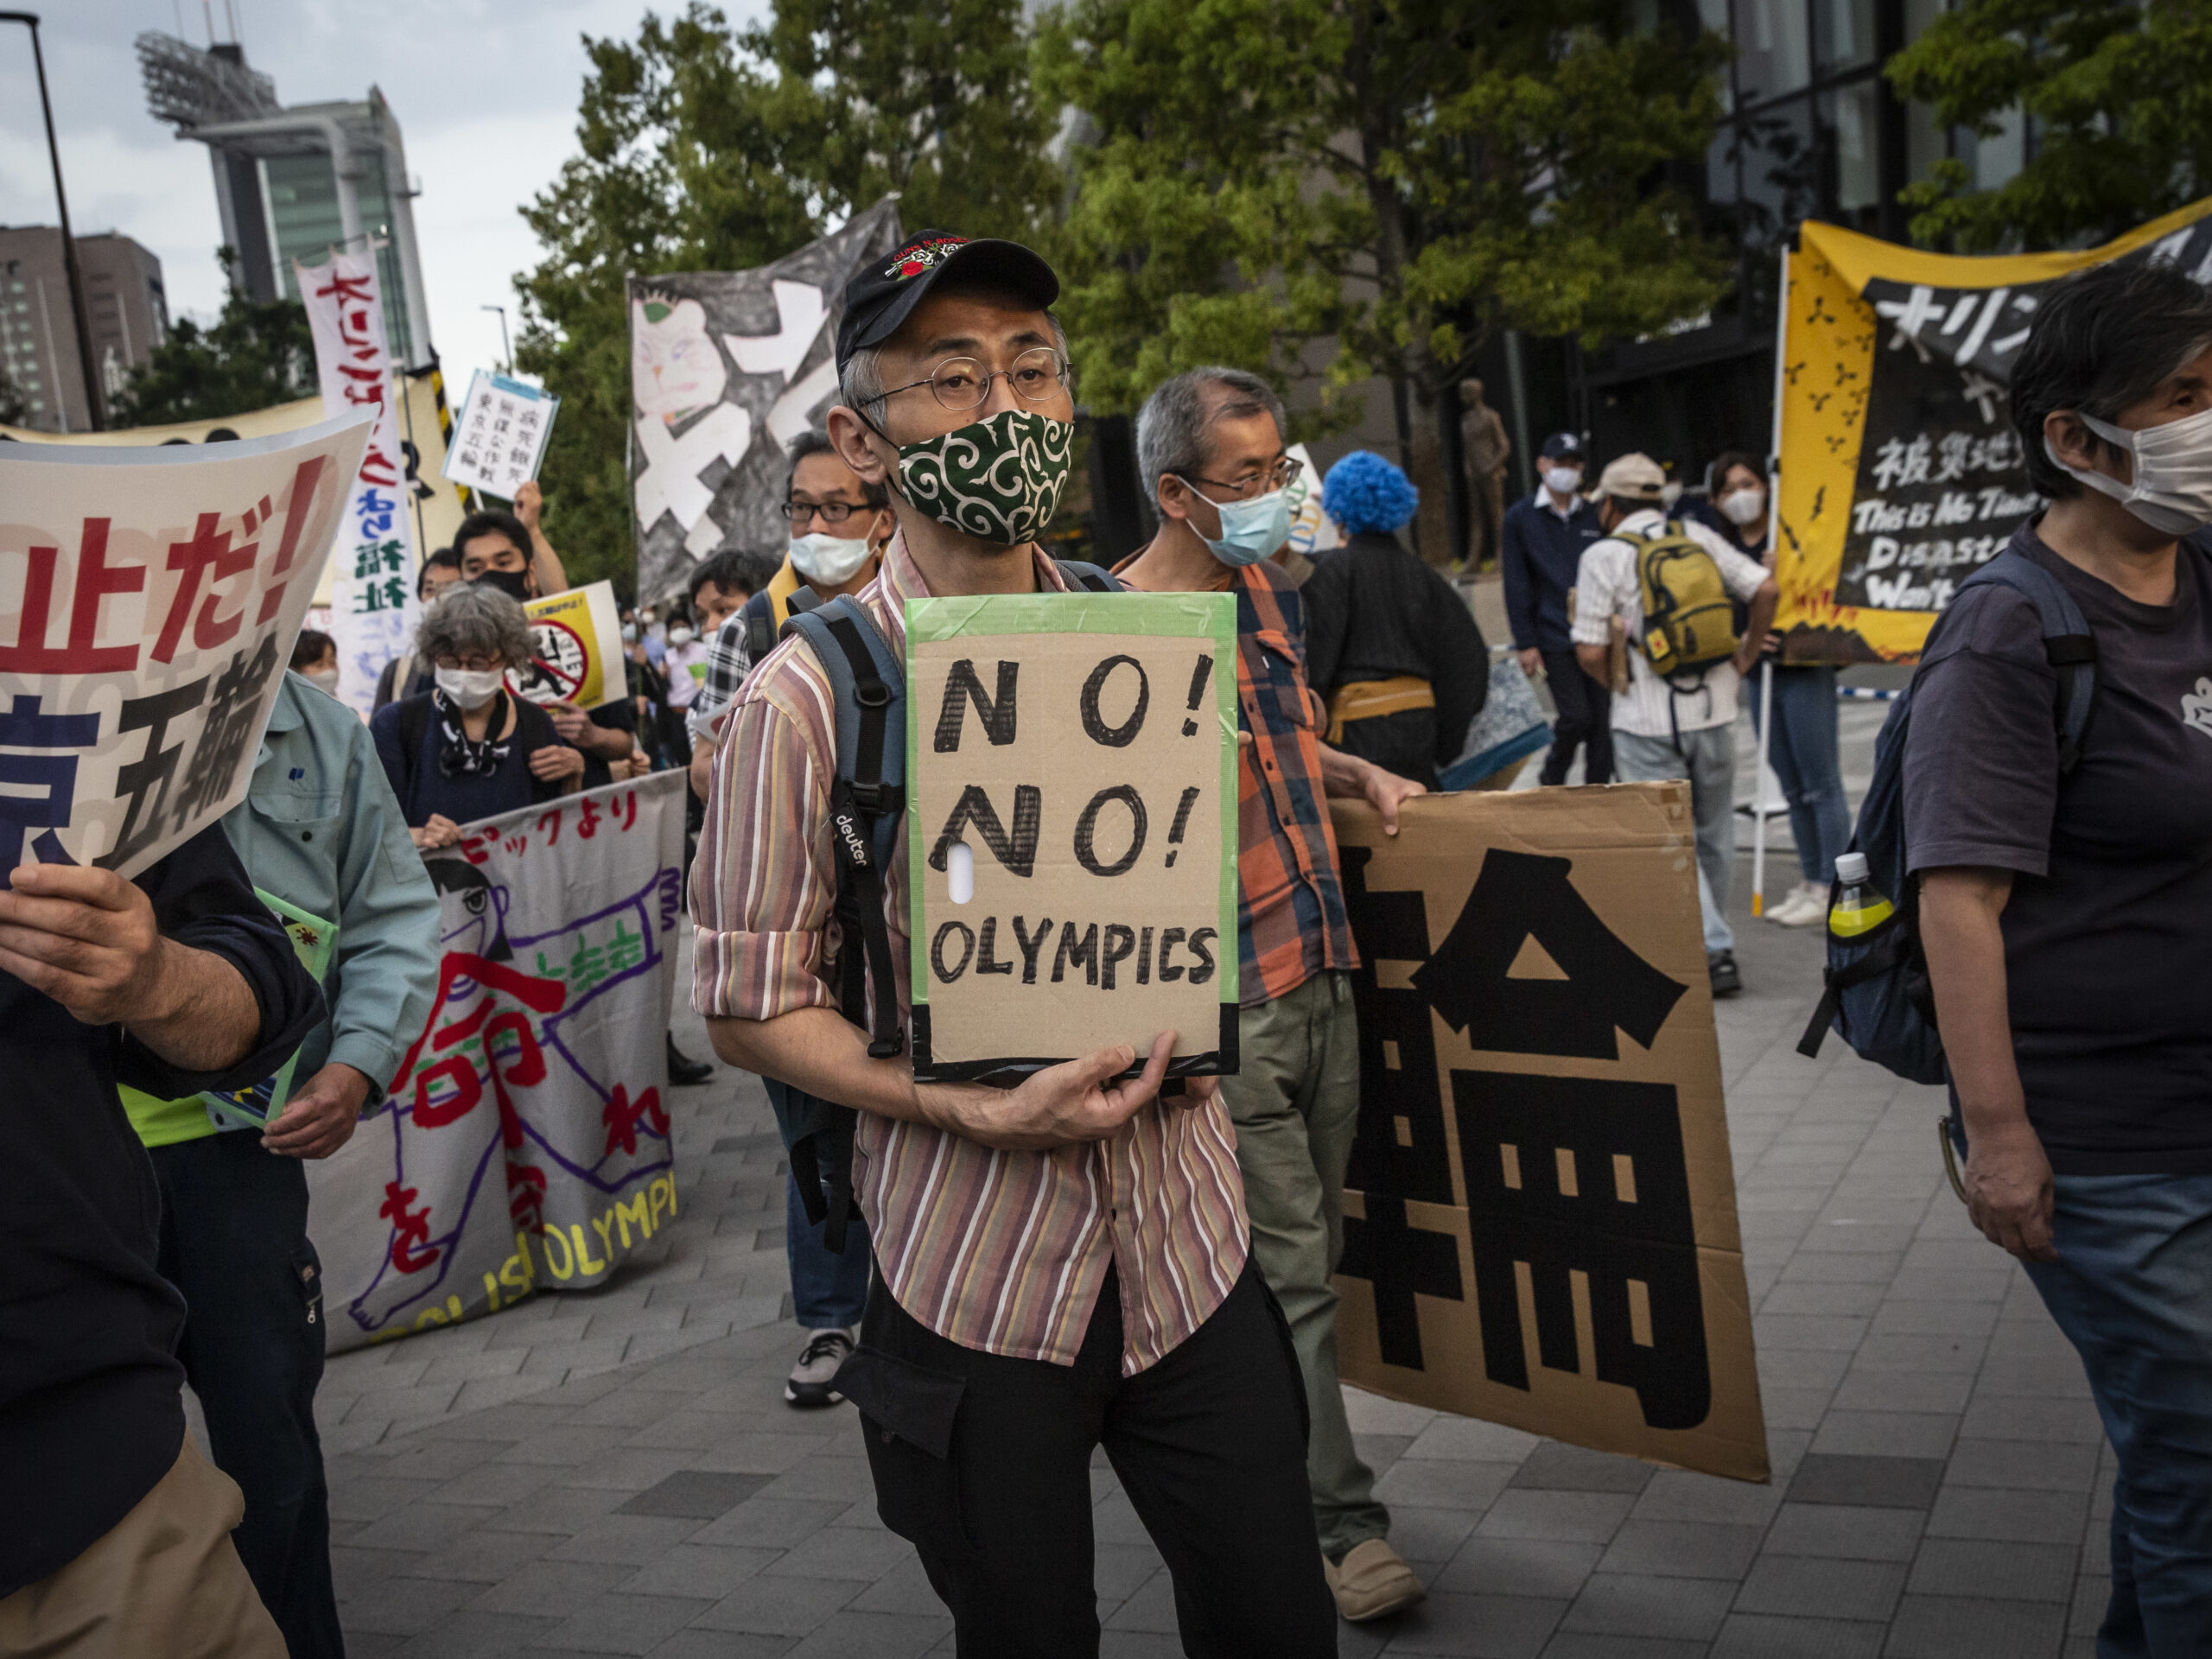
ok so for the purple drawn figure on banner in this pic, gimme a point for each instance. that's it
(509, 1062)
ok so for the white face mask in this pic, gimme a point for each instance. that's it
(830, 560)
(471, 688)
(2172, 491)
(323, 679)
(629, 633)
(1744, 507)
(1668, 494)
(679, 637)
(1562, 480)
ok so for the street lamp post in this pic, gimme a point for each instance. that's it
(505, 343)
(92, 399)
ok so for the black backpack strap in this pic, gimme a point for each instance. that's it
(414, 726)
(1078, 573)
(866, 802)
(758, 620)
(2068, 643)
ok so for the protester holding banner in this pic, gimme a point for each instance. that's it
(839, 527)
(990, 1369)
(470, 749)
(1391, 647)
(1541, 551)
(319, 831)
(1806, 749)
(1680, 725)
(110, 1519)
(1210, 443)
(2065, 901)
(410, 674)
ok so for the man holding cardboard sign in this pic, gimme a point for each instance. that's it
(1211, 443)
(1062, 1264)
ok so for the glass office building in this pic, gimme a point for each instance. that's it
(1813, 130)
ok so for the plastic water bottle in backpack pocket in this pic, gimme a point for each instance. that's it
(1877, 997)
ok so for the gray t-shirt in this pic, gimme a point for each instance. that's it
(2108, 932)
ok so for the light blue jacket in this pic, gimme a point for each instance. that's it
(320, 829)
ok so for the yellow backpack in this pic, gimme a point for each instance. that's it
(1689, 616)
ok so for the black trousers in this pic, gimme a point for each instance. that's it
(983, 1464)
(1585, 716)
(234, 1240)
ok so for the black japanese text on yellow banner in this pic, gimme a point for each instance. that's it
(1900, 470)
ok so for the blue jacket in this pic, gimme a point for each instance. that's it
(1540, 553)
(320, 829)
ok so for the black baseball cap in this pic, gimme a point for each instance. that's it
(1563, 446)
(884, 293)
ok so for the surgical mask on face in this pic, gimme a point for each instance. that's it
(515, 584)
(629, 633)
(999, 480)
(1744, 507)
(1562, 480)
(1668, 494)
(2172, 491)
(471, 688)
(829, 560)
(679, 637)
(1249, 530)
(323, 679)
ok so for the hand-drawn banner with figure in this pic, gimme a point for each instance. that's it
(575, 649)
(149, 601)
(524, 1142)
(1083, 749)
(726, 369)
(1541, 1228)
(374, 609)
(1901, 474)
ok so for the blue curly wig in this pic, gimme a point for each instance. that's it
(1366, 492)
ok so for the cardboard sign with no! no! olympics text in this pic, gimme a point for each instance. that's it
(1082, 747)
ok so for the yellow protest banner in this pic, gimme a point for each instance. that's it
(1900, 471)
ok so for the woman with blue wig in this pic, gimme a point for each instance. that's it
(1390, 644)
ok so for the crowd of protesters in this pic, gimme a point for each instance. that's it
(1190, 1333)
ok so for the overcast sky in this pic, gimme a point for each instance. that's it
(484, 92)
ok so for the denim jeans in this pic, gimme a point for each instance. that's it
(1707, 758)
(1804, 755)
(234, 1240)
(828, 1290)
(2132, 1291)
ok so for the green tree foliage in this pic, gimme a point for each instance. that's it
(703, 148)
(254, 354)
(1400, 177)
(2119, 95)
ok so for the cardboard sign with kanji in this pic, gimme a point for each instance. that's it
(1077, 753)
(149, 601)
(1540, 1219)
(575, 649)
(499, 442)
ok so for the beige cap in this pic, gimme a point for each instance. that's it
(1633, 477)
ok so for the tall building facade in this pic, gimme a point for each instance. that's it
(125, 307)
(292, 182)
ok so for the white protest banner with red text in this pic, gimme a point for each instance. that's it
(373, 607)
(149, 601)
(524, 1142)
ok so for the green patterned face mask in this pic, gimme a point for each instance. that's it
(999, 480)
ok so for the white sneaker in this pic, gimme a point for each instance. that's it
(1807, 903)
(809, 1387)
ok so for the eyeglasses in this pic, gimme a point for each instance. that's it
(829, 513)
(1281, 476)
(963, 382)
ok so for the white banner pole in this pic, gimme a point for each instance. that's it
(1774, 558)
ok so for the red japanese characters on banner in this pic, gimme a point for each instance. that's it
(524, 1142)
(149, 601)
(373, 609)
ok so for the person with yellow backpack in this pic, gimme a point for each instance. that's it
(1670, 585)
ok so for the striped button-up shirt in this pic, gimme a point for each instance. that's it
(1001, 1251)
